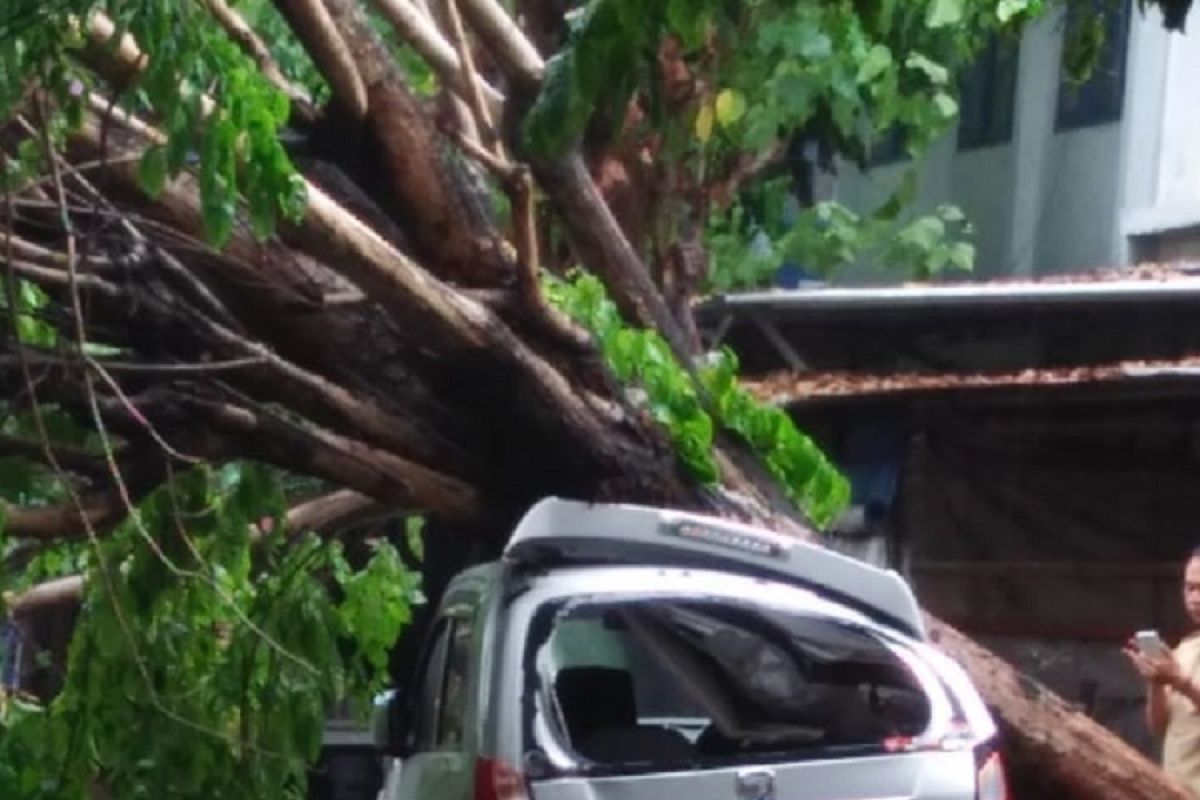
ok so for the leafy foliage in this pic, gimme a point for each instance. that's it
(234, 143)
(206, 659)
(836, 75)
(751, 241)
(27, 302)
(610, 40)
(691, 410)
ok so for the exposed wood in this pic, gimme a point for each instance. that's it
(418, 29)
(507, 42)
(50, 594)
(405, 165)
(61, 521)
(259, 434)
(333, 511)
(484, 118)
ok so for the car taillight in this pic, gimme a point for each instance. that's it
(990, 783)
(496, 780)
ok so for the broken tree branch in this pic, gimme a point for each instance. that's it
(256, 433)
(507, 42)
(62, 521)
(335, 511)
(326, 514)
(50, 594)
(415, 27)
(314, 27)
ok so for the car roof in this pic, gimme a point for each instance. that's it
(558, 531)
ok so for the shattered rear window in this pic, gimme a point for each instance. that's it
(658, 682)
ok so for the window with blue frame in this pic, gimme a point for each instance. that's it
(1100, 99)
(986, 95)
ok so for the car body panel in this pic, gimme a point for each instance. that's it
(940, 776)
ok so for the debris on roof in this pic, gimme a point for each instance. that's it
(784, 388)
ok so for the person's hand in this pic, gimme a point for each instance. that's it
(1161, 669)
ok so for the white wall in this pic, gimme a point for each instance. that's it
(1162, 176)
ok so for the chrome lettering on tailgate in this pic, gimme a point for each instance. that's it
(756, 784)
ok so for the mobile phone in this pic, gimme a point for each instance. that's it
(1150, 643)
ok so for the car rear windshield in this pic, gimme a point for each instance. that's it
(651, 683)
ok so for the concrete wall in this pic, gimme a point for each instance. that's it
(1052, 201)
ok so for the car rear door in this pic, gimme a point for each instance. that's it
(440, 765)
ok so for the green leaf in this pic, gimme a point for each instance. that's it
(687, 23)
(946, 104)
(936, 73)
(944, 12)
(414, 528)
(730, 106)
(1008, 9)
(962, 256)
(811, 42)
(152, 172)
(561, 111)
(900, 199)
(704, 122)
(878, 60)
(950, 213)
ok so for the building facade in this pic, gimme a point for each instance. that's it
(1058, 178)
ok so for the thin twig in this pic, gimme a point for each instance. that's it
(43, 434)
(109, 453)
(137, 415)
(46, 276)
(38, 254)
(149, 367)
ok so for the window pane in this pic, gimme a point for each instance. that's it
(987, 93)
(454, 693)
(1100, 99)
(665, 682)
(429, 699)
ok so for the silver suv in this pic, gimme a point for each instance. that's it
(638, 653)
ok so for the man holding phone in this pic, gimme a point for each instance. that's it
(1173, 687)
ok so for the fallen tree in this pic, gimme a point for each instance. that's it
(374, 290)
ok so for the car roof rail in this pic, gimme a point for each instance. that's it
(560, 532)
